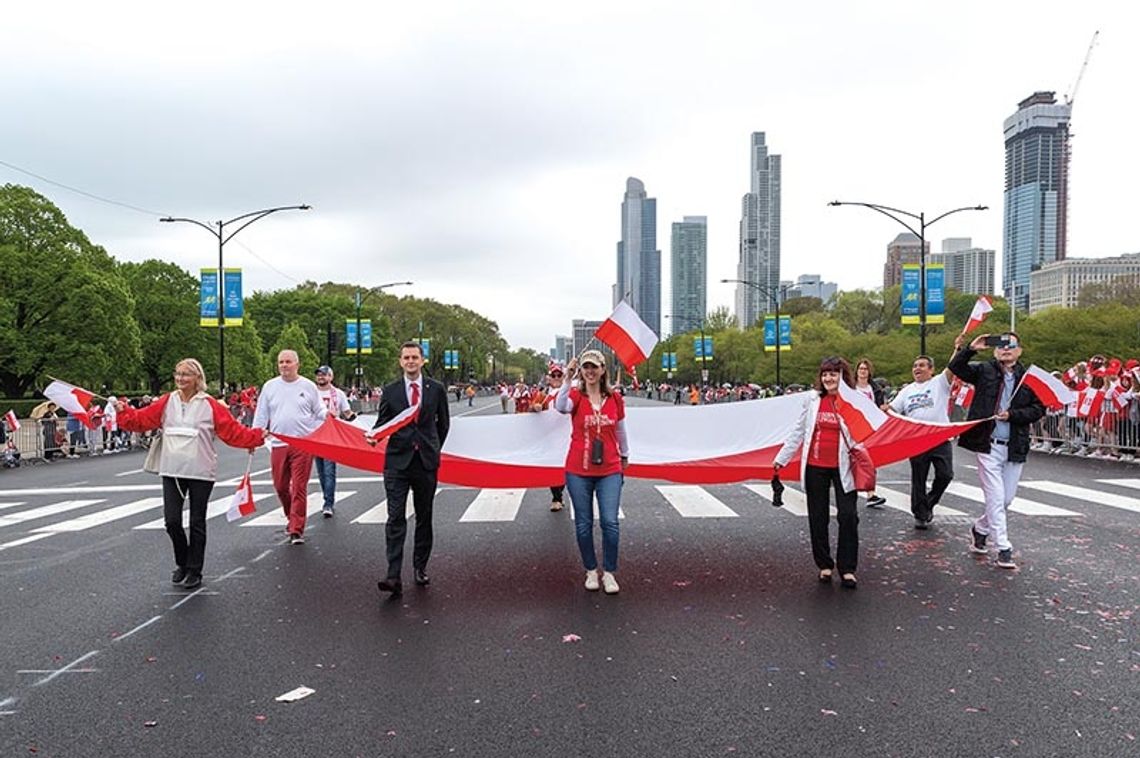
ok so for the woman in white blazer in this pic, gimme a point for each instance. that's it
(824, 442)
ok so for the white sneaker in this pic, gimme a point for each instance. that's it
(610, 583)
(592, 581)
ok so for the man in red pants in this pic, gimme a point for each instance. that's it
(290, 404)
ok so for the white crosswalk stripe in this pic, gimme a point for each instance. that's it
(104, 516)
(378, 514)
(494, 505)
(1019, 504)
(214, 508)
(23, 541)
(795, 502)
(692, 501)
(900, 501)
(315, 502)
(45, 511)
(1087, 495)
(10, 505)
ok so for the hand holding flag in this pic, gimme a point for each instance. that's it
(241, 504)
(858, 412)
(627, 335)
(981, 310)
(1049, 389)
(13, 422)
(74, 400)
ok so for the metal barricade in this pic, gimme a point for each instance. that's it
(1112, 435)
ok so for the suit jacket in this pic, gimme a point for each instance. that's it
(426, 436)
(987, 378)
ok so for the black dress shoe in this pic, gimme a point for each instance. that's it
(390, 585)
(178, 575)
(193, 579)
(422, 579)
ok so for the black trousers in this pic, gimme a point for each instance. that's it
(817, 484)
(556, 493)
(397, 483)
(922, 502)
(190, 555)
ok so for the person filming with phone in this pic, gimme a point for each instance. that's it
(1001, 441)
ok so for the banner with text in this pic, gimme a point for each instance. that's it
(911, 305)
(702, 349)
(785, 334)
(350, 344)
(208, 298)
(234, 310)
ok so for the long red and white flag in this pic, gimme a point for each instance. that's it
(74, 400)
(241, 504)
(1089, 403)
(1050, 390)
(13, 422)
(627, 335)
(982, 309)
(398, 422)
(858, 412)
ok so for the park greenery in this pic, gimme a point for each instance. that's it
(69, 309)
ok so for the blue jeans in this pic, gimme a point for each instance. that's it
(326, 473)
(582, 490)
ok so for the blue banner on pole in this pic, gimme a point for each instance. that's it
(234, 304)
(702, 349)
(451, 359)
(669, 361)
(350, 346)
(208, 298)
(935, 294)
(770, 333)
(425, 345)
(909, 306)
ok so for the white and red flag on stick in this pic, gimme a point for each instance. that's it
(1050, 390)
(398, 422)
(74, 400)
(858, 412)
(13, 422)
(627, 335)
(964, 395)
(982, 309)
(241, 504)
(1089, 403)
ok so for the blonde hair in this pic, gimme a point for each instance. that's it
(196, 367)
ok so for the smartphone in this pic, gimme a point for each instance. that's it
(997, 340)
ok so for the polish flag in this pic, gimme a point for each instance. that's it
(982, 309)
(74, 400)
(627, 335)
(397, 423)
(1089, 404)
(1121, 397)
(13, 422)
(241, 504)
(858, 412)
(1050, 390)
(964, 396)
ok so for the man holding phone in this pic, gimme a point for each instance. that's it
(1001, 440)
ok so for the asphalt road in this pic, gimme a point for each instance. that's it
(721, 641)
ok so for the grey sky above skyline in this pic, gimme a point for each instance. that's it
(482, 150)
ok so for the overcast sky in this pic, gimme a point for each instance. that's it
(481, 149)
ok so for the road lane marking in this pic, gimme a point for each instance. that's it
(68, 668)
(214, 509)
(24, 541)
(10, 505)
(1019, 504)
(314, 504)
(494, 505)
(692, 501)
(90, 520)
(1088, 495)
(129, 473)
(143, 625)
(795, 502)
(900, 501)
(45, 511)
(378, 514)
(83, 490)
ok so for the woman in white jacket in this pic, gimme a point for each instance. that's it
(823, 441)
(190, 420)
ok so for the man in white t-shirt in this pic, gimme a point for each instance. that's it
(927, 399)
(336, 404)
(290, 404)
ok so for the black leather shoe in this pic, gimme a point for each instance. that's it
(178, 575)
(422, 579)
(390, 585)
(193, 580)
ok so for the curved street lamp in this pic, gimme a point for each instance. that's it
(360, 298)
(776, 294)
(890, 212)
(218, 229)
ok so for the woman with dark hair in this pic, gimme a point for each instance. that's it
(823, 441)
(864, 382)
(595, 462)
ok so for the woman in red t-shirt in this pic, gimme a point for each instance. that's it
(823, 441)
(598, 454)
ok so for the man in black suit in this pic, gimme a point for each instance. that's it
(411, 461)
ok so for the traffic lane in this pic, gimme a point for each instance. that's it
(739, 622)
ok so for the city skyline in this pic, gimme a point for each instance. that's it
(462, 146)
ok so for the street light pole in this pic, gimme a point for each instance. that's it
(890, 212)
(776, 295)
(223, 238)
(359, 335)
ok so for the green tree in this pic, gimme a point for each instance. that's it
(293, 337)
(64, 308)
(166, 309)
(798, 306)
(720, 318)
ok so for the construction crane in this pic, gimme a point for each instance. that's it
(1069, 98)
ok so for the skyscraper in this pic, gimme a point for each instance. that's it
(969, 269)
(1036, 190)
(903, 249)
(759, 235)
(689, 273)
(638, 259)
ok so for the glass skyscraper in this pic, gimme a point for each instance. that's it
(638, 259)
(1036, 191)
(689, 273)
(759, 235)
